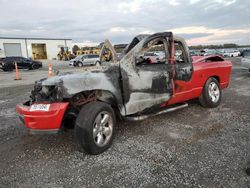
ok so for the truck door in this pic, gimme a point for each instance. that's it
(182, 60)
(146, 74)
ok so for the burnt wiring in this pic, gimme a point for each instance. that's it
(83, 98)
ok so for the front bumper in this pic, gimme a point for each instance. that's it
(42, 121)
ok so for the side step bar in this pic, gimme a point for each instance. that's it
(142, 117)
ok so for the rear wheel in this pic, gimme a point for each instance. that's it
(79, 64)
(35, 66)
(95, 127)
(97, 63)
(211, 94)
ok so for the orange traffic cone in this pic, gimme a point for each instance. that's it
(50, 70)
(17, 73)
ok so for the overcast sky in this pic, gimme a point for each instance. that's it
(198, 21)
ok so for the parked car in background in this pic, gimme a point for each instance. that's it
(154, 57)
(213, 52)
(195, 52)
(89, 59)
(231, 53)
(202, 52)
(8, 63)
(245, 60)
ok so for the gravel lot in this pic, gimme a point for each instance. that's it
(192, 147)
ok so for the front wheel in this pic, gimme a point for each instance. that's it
(7, 69)
(211, 94)
(95, 127)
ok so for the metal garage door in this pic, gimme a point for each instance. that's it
(12, 49)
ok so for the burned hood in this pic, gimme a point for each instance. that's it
(73, 83)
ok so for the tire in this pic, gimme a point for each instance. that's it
(79, 64)
(90, 132)
(34, 66)
(97, 63)
(211, 94)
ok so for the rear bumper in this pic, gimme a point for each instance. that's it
(42, 121)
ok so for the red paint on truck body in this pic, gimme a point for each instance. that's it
(203, 70)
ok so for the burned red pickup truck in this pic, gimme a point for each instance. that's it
(131, 87)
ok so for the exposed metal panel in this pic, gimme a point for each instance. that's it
(12, 49)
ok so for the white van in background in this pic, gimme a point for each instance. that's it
(88, 59)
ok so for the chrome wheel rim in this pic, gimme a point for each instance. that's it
(102, 128)
(214, 92)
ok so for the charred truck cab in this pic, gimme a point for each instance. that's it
(154, 74)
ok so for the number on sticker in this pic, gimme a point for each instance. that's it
(40, 107)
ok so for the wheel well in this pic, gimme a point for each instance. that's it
(216, 77)
(107, 97)
(86, 97)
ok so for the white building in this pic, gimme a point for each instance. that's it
(35, 48)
